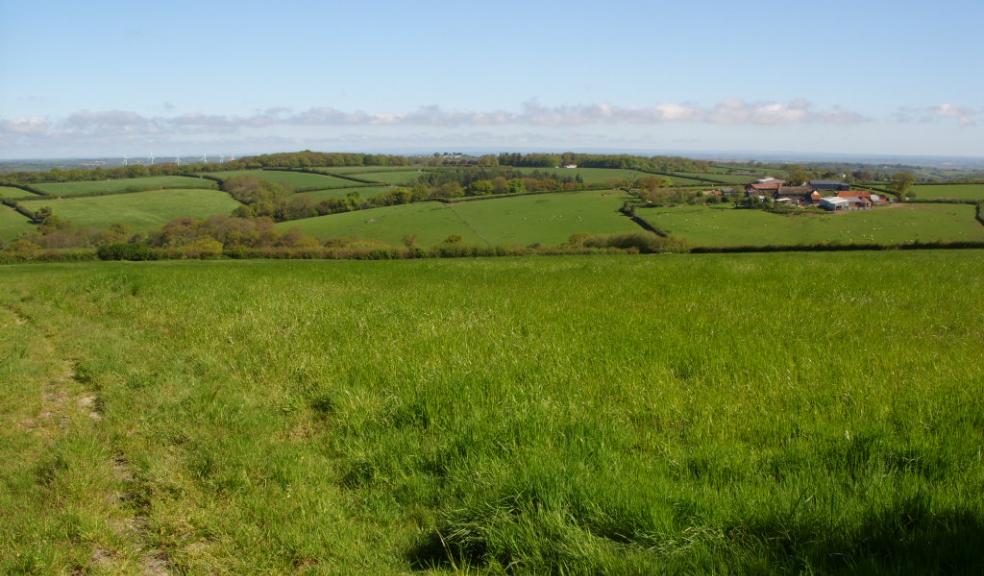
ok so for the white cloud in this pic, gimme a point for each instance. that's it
(964, 115)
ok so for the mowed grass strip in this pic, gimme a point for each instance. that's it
(11, 192)
(121, 185)
(762, 413)
(141, 210)
(949, 191)
(726, 226)
(12, 223)
(298, 181)
(548, 219)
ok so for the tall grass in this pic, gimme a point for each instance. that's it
(771, 413)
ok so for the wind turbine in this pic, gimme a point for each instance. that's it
(204, 158)
(151, 159)
(177, 160)
(124, 160)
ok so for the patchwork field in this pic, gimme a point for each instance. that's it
(949, 191)
(12, 223)
(362, 191)
(122, 185)
(597, 176)
(894, 225)
(548, 219)
(11, 192)
(298, 181)
(780, 413)
(141, 210)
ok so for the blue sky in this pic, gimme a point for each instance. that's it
(875, 77)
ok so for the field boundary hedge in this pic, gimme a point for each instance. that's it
(367, 183)
(25, 188)
(822, 247)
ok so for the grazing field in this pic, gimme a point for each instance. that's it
(84, 187)
(722, 178)
(363, 191)
(356, 170)
(949, 191)
(598, 176)
(12, 223)
(298, 181)
(11, 192)
(722, 226)
(775, 413)
(396, 177)
(548, 219)
(141, 210)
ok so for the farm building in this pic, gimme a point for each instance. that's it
(831, 185)
(798, 195)
(835, 203)
(764, 188)
(863, 197)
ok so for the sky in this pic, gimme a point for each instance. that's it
(875, 77)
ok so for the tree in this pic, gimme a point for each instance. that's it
(902, 184)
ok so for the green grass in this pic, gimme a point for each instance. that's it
(364, 192)
(141, 210)
(726, 226)
(395, 177)
(356, 170)
(780, 413)
(949, 191)
(11, 192)
(548, 219)
(597, 176)
(298, 181)
(12, 223)
(729, 179)
(84, 187)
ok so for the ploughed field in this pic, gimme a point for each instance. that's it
(143, 211)
(898, 224)
(792, 413)
(548, 219)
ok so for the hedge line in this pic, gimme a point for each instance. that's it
(822, 247)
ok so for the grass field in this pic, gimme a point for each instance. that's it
(780, 413)
(298, 181)
(597, 176)
(12, 223)
(141, 210)
(547, 219)
(11, 192)
(122, 185)
(364, 192)
(395, 177)
(949, 191)
(892, 225)
(729, 179)
(356, 170)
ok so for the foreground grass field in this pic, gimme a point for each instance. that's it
(796, 413)
(949, 191)
(141, 210)
(12, 223)
(547, 219)
(84, 187)
(11, 192)
(298, 181)
(726, 226)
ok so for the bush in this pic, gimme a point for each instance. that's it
(125, 252)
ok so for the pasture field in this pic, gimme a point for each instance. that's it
(726, 226)
(141, 210)
(597, 176)
(12, 223)
(364, 192)
(753, 413)
(298, 181)
(11, 192)
(949, 191)
(548, 219)
(729, 179)
(395, 177)
(122, 185)
(356, 170)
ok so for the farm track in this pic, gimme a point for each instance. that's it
(66, 396)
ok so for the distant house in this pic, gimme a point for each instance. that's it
(834, 203)
(570, 165)
(768, 180)
(831, 185)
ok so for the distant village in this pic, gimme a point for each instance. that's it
(827, 194)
